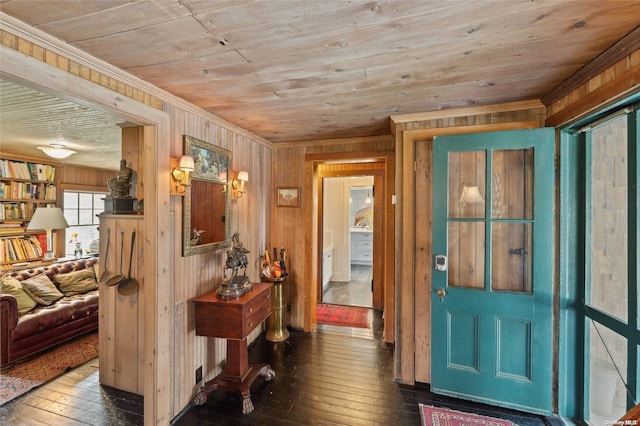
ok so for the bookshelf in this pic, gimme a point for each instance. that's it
(24, 186)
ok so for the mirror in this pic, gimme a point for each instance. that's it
(207, 202)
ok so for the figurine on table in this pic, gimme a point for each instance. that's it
(237, 285)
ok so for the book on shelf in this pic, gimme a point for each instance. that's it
(10, 225)
(13, 230)
(19, 249)
(17, 211)
(27, 170)
(28, 191)
(42, 240)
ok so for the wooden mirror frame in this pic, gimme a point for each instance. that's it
(211, 176)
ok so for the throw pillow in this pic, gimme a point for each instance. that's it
(41, 289)
(12, 287)
(77, 282)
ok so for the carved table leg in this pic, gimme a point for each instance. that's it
(230, 383)
(201, 397)
(267, 373)
(237, 376)
(204, 391)
(247, 405)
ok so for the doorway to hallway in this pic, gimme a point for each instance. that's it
(380, 166)
(348, 235)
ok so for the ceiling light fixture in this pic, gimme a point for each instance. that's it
(56, 150)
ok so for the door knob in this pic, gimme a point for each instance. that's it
(442, 293)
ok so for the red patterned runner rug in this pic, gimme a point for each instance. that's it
(350, 316)
(30, 374)
(435, 416)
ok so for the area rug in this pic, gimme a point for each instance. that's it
(27, 375)
(350, 316)
(436, 416)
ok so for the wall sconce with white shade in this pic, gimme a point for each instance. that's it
(48, 218)
(56, 150)
(470, 195)
(237, 184)
(180, 169)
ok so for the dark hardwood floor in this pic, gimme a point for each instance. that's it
(75, 398)
(328, 377)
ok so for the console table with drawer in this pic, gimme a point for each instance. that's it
(233, 320)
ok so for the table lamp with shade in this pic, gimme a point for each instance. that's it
(48, 218)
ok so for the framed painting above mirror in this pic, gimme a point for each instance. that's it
(207, 200)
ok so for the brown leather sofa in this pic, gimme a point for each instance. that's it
(22, 336)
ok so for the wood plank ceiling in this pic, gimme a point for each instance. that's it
(301, 70)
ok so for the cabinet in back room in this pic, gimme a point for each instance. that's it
(361, 247)
(361, 226)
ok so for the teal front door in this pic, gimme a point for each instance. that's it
(492, 305)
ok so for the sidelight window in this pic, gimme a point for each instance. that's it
(600, 241)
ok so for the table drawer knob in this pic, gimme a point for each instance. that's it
(250, 309)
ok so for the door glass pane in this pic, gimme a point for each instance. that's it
(607, 394)
(512, 184)
(466, 254)
(609, 218)
(467, 184)
(511, 256)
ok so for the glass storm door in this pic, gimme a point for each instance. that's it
(492, 303)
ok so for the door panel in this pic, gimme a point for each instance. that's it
(492, 309)
(514, 349)
(463, 339)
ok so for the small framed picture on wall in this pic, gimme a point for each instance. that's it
(288, 196)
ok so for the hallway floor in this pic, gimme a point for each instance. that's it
(356, 292)
(334, 376)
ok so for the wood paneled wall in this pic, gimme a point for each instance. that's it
(69, 72)
(83, 178)
(288, 230)
(121, 317)
(600, 90)
(180, 279)
(201, 273)
(414, 136)
(296, 228)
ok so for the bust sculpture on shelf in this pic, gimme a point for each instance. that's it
(236, 285)
(119, 199)
(120, 185)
